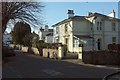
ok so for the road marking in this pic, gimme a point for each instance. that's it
(52, 72)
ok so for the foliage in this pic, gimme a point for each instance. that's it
(41, 44)
(35, 39)
(20, 30)
(27, 40)
(23, 11)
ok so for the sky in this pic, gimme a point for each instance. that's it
(57, 11)
(54, 12)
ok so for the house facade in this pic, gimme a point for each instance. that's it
(7, 38)
(49, 38)
(43, 32)
(95, 31)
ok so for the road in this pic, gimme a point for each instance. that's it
(30, 66)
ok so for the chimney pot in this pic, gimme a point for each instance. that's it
(112, 14)
(70, 13)
(46, 28)
(90, 13)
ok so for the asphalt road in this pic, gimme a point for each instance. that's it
(30, 66)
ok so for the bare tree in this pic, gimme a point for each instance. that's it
(24, 11)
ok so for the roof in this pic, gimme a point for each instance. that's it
(105, 16)
(50, 34)
(34, 34)
(70, 19)
(84, 18)
(83, 36)
(49, 30)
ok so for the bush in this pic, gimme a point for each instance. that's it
(27, 40)
(19, 31)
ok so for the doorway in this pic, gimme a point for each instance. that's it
(99, 44)
(48, 55)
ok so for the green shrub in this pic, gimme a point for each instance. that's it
(27, 40)
(19, 31)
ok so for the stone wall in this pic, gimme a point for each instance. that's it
(101, 57)
(49, 52)
(35, 51)
(24, 49)
(19, 47)
(77, 49)
(12, 45)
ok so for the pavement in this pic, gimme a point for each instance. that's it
(73, 58)
(77, 61)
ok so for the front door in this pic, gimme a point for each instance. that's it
(66, 42)
(99, 44)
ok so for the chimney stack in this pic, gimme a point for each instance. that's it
(46, 28)
(112, 14)
(70, 13)
(90, 13)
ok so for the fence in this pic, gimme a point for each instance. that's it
(101, 57)
(114, 47)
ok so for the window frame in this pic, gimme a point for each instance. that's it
(113, 26)
(66, 28)
(114, 40)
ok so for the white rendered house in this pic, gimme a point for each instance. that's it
(43, 32)
(49, 38)
(95, 31)
(7, 38)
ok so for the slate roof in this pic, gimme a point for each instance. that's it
(83, 36)
(84, 18)
(50, 34)
(102, 15)
(34, 34)
(49, 30)
(69, 19)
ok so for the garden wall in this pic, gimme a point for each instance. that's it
(49, 52)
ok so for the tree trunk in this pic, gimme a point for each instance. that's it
(4, 24)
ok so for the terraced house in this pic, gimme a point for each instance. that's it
(95, 31)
